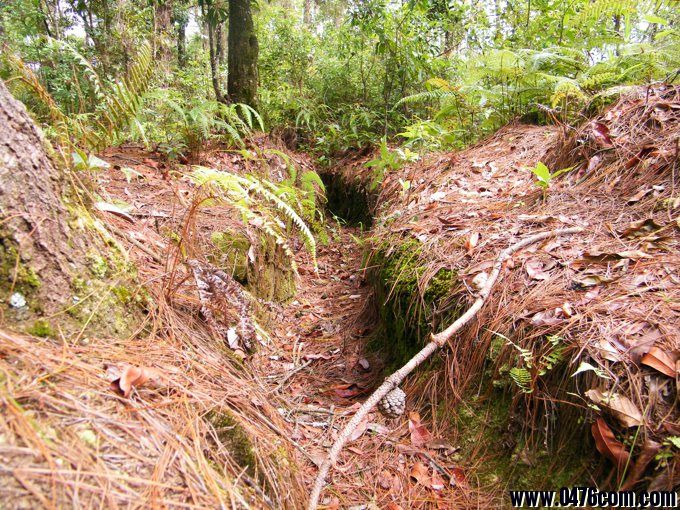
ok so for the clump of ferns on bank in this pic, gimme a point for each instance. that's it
(118, 103)
(267, 206)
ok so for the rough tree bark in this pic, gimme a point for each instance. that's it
(164, 32)
(182, 43)
(243, 52)
(39, 251)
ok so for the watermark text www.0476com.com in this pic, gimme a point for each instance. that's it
(590, 497)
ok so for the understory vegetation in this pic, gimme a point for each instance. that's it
(211, 169)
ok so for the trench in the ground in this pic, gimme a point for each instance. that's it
(489, 414)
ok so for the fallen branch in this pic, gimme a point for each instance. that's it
(436, 341)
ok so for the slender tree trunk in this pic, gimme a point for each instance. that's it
(214, 69)
(307, 12)
(182, 44)
(220, 40)
(243, 52)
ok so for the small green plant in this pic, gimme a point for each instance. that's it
(533, 367)
(87, 163)
(545, 177)
(388, 160)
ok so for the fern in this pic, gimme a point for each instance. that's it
(522, 379)
(250, 194)
(119, 104)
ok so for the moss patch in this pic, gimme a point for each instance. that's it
(271, 277)
(234, 438)
(509, 456)
(41, 328)
(230, 253)
(406, 315)
(14, 271)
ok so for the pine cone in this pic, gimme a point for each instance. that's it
(393, 404)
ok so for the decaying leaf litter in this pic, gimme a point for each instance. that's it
(203, 413)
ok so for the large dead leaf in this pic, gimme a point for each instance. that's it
(134, 377)
(534, 269)
(622, 407)
(420, 474)
(607, 444)
(661, 361)
(419, 434)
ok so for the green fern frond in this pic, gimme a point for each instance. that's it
(522, 378)
(235, 188)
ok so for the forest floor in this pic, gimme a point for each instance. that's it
(315, 366)
(217, 427)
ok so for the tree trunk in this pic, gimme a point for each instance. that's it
(243, 51)
(39, 251)
(163, 16)
(182, 44)
(220, 47)
(214, 70)
(307, 12)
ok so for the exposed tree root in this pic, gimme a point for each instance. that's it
(437, 341)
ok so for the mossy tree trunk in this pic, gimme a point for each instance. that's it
(243, 52)
(39, 251)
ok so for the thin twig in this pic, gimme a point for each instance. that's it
(437, 341)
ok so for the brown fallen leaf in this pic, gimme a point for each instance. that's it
(607, 444)
(622, 407)
(601, 133)
(133, 377)
(639, 196)
(549, 317)
(661, 361)
(534, 269)
(641, 228)
(347, 390)
(649, 450)
(605, 257)
(115, 210)
(472, 241)
(419, 434)
(420, 474)
(458, 477)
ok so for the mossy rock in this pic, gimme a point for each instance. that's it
(230, 253)
(272, 277)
